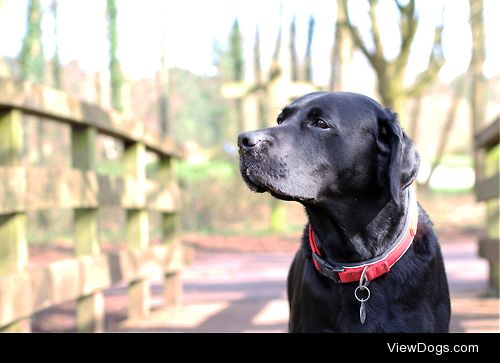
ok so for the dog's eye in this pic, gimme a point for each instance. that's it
(322, 124)
(279, 120)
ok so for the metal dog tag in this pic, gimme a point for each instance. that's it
(362, 294)
(362, 312)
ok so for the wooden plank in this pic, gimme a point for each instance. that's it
(171, 227)
(161, 197)
(83, 144)
(489, 136)
(24, 293)
(139, 296)
(38, 188)
(65, 280)
(489, 248)
(11, 138)
(56, 105)
(172, 289)
(86, 231)
(13, 243)
(137, 229)
(488, 188)
(137, 225)
(90, 313)
(90, 307)
(14, 298)
(12, 189)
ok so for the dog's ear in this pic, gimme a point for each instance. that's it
(398, 156)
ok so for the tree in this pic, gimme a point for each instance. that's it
(478, 81)
(458, 94)
(259, 79)
(56, 63)
(237, 64)
(341, 51)
(236, 52)
(31, 58)
(390, 73)
(308, 76)
(294, 63)
(116, 76)
(163, 83)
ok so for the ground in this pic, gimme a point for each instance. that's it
(237, 284)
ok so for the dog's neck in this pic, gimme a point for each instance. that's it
(356, 229)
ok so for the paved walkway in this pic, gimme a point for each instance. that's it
(245, 292)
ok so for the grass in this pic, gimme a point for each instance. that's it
(216, 169)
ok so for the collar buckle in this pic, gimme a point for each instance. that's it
(327, 269)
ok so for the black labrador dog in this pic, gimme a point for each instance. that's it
(361, 267)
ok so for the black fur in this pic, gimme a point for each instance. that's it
(346, 159)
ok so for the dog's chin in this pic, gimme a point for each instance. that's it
(257, 185)
(252, 184)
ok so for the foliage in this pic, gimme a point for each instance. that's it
(31, 58)
(116, 76)
(216, 200)
(56, 63)
(200, 113)
(237, 62)
(208, 190)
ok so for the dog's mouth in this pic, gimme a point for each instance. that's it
(258, 184)
(254, 185)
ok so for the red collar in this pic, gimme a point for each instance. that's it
(351, 272)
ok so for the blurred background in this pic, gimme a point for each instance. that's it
(198, 73)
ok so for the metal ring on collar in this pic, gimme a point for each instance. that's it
(361, 288)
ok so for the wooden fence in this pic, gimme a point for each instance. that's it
(25, 289)
(487, 190)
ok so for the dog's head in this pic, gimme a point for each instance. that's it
(329, 144)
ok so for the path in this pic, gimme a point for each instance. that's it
(245, 292)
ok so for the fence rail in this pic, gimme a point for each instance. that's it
(487, 190)
(25, 289)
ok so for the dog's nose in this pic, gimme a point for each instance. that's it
(248, 140)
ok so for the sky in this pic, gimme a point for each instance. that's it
(193, 28)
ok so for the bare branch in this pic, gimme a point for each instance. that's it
(356, 36)
(409, 23)
(448, 126)
(436, 61)
(398, 4)
(379, 49)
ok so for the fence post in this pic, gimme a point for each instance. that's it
(137, 225)
(13, 242)
(89, 308)
(171, 227)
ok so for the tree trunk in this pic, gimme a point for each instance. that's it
(341, 52)
(478, 82)
(56, 64)
(116, 76)
(308, 72)
(163, 84)
(294, 63)
(31, 58)
(257, 69)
